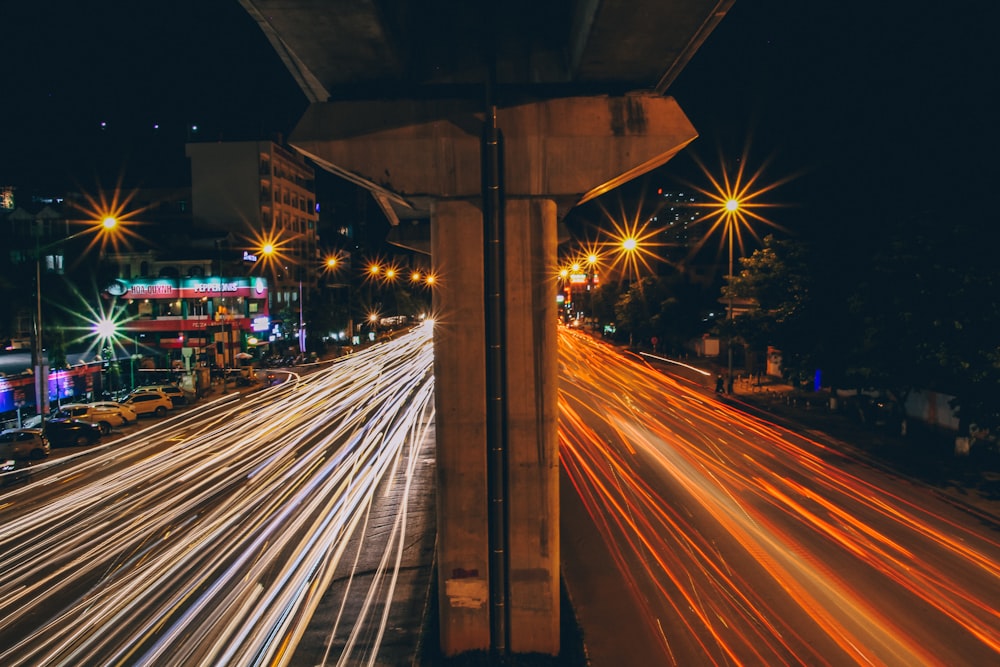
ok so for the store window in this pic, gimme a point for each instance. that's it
(197, 308)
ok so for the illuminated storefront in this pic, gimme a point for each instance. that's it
(209, 319)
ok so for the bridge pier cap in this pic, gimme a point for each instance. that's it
(570, 150)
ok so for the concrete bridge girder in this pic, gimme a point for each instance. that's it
(425, 156)
(568, 150)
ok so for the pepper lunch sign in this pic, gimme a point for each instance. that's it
(188, 288)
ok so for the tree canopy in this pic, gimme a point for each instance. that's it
(910, 306)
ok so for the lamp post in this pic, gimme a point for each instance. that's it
(732, 206)
(270, 254)
(592, 260)
(225, 316)
(332, 266)
(131, 371)
(374, 271)
(39, 363)
(39, 360)
(629, 248)
(302, 323)
(733, 202)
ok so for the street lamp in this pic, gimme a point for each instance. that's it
(39, 359)
(302, 322)
(592, 259)
(731, 215)
(270, 251)
(733, 203)
(332, 265)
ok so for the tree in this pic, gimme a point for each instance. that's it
(682, 312)
(670, 308)
(775, 284)
(924, 313)
(603, 300)
(907, 304)
(952, 340)
(637, 308)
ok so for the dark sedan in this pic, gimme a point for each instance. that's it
(72, 432)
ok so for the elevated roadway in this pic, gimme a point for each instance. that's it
(477, 126)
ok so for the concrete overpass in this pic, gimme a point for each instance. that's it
(477, 126)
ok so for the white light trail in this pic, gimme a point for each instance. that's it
(216, 548)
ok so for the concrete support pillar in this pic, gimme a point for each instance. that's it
(460, 423)
(533, 462)
(558, 153)
(532, 405)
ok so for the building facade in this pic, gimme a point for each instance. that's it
(261, 192)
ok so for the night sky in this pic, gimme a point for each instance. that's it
(871, 106)
(151, 71)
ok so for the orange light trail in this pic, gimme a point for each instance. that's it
(750, 544)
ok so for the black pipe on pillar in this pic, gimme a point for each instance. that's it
(496, 375)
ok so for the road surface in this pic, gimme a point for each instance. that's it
(715, 538)
(212, 537)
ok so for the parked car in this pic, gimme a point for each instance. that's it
(127, 413)
(71, 432)
(175, 393)
(104, 418)
(149, 403)
(23, 443)
(12, 470)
